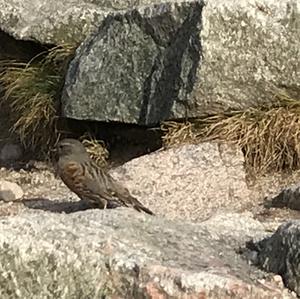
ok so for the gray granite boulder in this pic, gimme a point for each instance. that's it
(190, 181)
(56, 22)
(138, 67)
(125, 254)
(52, 22)
(250, 50)
(280, 254)
(288, 197)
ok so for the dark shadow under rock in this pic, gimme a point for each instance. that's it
(124, 141)
(56, 206)
(13, 49)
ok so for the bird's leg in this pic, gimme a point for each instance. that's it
(105, 205)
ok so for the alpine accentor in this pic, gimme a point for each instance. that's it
(91, 183)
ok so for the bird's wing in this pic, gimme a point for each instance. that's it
(78, 177)
(114, 192)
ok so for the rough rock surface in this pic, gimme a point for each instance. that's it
(280, 254)
(53, 22)
(288, 197)
(120, 253)
(10, 191)
(129, 254)
(192, 181)
(187, 182)
(250, 49)
(139, 67)
(57, 22)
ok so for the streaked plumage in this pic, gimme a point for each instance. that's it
(91, 183)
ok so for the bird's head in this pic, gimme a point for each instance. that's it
(68, 146)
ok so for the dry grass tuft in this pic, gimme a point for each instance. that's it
(175, 133)
(96, 149)
(269, 137)
(31, 92)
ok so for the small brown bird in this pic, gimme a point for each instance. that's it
(91, 183)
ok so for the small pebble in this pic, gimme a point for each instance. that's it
(10, 191)
(278, 280)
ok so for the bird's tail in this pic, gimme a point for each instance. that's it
(139, 207)
(128, 200)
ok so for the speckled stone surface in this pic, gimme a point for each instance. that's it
(249, 52)
(138, 255)
(138, 67)
(279, 253)
(288, 197)
(52, 22)
(250, 48)
(57, 22)
(190, 181)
